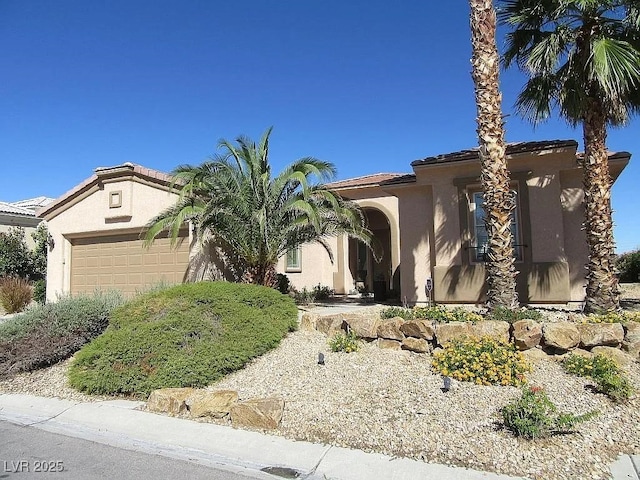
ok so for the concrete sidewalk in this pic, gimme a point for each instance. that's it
(118, 423)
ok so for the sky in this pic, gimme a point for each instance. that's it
(367, 85)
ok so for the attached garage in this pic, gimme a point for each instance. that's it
(122, 262)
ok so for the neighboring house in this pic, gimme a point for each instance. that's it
(22, 214)
(428, 226)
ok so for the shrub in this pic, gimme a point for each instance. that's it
(40, 291)
(15, 257)
(284, 285)
(15, 294)
(604, 371)
(391, 312)
(47, 334)
(533, 415)
(344, 342)
(613, 317)
(444, 315)
(317, 293)
(629, 266)
(322, 292)
(510, 315)
(186, 335)
(485, 361)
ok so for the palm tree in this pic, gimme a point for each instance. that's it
(583, 59)
(254, 217)
(498, 201)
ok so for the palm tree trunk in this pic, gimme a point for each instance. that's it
(498, 202)
(602, 293)
(261, 275)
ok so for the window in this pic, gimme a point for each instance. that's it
(294, 260)
(480, 237)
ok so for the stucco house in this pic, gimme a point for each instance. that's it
(428, 224)
(22, 214)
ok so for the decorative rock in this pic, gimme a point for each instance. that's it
(263, 413)
(535, 355)
(418, 329)
(389, 344)
(169, 400)
(204, 403)
(495, 329)
(418, 345)
(363, 327)
(594, 334)
(631, 341)
(329, 324)
(526, 334)
(621, 358)
(390, 329)
(308, 321)
(445, 332)
(561, 335)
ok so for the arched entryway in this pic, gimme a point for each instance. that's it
(371, 275)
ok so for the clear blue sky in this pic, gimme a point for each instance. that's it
(368, 85)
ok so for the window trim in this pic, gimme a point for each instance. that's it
(297, 268)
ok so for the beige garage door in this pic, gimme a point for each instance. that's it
(121, 262)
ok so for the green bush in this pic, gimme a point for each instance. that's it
(187, 335)
(613, 317)
(437, 313)
(392, 312)
(533, 415)
(16, 259)
(47, 334)
(629, 266)
(305, 296)
(510, 315)
(40, 291)
(344, 342)
(604, 371)
(15, 294)
(284, 285)
(484, 361)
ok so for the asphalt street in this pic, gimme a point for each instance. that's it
(27, 452)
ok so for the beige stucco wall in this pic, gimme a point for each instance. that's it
(29, 224)
(316, 267)
(90, 215)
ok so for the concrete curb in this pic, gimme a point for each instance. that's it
(118, 423)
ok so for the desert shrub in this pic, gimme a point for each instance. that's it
(613, 317)
(305, 296)
(533, 415)
(441, 314)
(40, 291)
(510, 315)
(344, 342)
(187, 335)
(47, 334)
(15, 257)
(604, 371)
(284, 285)
(392, 312)
(15, 294)
(629, 266)
(484, 361)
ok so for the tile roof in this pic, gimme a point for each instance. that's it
(12, 209)
(512, 149)
(25, 208)
(364, 181)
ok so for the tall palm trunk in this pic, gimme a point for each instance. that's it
(498, 202)
(602, 292)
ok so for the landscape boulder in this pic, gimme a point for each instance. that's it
(496, 329)
(363, 326)
(308, 321)
(389, 328)
(330, 324)
(205, 403)
(262, 413)
(526, 334)
(535, 355)
(595, 334)
(169, 400)
(418, 329)
(561, 335)
(621, 358)
(631, 342)
(389, 344)
(445, 332)
(418, 345)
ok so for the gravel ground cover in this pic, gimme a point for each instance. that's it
(391, 402)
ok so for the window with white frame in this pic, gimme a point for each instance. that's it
(480, 236)
(294, 260)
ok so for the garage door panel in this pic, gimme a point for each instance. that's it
(122, 262)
